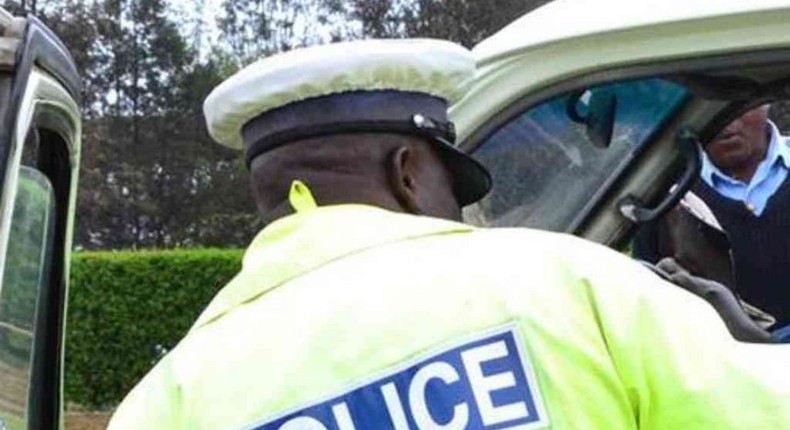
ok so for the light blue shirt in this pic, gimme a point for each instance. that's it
(767, 179)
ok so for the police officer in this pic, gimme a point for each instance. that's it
(358, 307)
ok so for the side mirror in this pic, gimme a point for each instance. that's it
(596, 109)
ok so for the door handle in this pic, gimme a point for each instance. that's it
(634, 209)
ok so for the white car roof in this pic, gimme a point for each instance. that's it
(568, 19)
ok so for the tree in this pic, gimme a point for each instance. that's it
(462, 21)
(150, 174)
(255, 28)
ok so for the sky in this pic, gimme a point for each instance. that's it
(211, 8)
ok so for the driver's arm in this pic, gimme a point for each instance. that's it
(720, 297)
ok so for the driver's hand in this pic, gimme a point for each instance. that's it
(705, 288)
(720, 297)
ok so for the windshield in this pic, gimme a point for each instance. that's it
(547, 164)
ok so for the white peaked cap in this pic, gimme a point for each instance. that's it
(434, 67)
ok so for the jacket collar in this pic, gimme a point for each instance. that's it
(313, 237)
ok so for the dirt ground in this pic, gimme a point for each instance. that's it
(12, 407)
(12, 379)
(87, 420)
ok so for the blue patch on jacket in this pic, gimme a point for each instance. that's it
(485, 382)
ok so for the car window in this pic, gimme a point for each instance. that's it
(547, 164)
(29, 246)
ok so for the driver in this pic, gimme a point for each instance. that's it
(744, 182)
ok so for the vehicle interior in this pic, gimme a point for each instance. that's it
(597, 156)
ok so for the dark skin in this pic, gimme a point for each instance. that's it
(741, 146)
(395, 172)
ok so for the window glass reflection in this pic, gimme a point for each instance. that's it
(24, 277)
(546, 166)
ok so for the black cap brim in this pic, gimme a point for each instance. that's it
(471, 180)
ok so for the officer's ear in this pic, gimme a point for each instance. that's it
(402, 171)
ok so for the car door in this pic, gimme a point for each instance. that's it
(39, 160)
(588, 112)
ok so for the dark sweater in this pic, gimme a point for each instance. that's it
(761, 247)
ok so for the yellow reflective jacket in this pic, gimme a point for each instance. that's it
(351, 317)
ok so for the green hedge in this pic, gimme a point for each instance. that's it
(126, 309)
